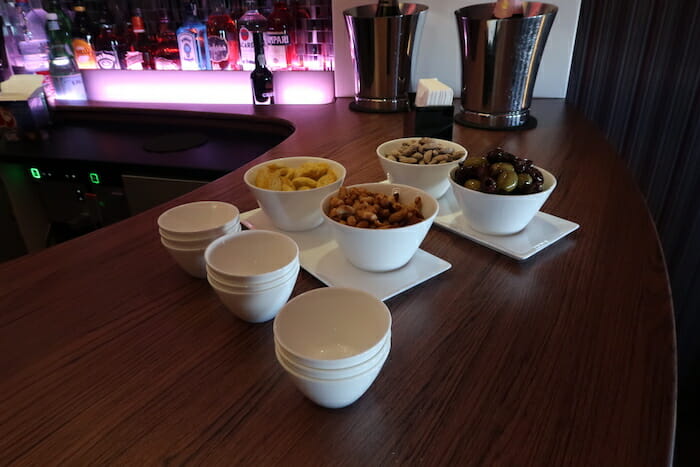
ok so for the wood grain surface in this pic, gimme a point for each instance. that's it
(110, 354)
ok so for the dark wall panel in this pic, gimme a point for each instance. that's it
(636, 73)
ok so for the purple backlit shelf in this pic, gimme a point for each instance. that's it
(205, 87)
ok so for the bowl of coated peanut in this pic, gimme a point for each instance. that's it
(290, 189)
(379, 226)
(421, 162)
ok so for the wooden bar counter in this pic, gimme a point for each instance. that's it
(110, 354)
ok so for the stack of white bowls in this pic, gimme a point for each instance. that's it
(333, 343)
(253, 272)
(187, 230)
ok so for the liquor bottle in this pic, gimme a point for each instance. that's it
(250, 24)
(261, 76)
(106, 42)
(5, 65)
(64, 20)
(63, 68)
(280, 50)
(301, 19)
(166, 55)
(192, 41)
(138, 53)
(83, 35)
(11, 35)
(222, 35)
(388, 8)
(32, 42)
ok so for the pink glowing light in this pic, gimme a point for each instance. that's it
(204, 87)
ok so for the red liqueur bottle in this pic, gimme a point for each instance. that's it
(222, 35)
(280, 47)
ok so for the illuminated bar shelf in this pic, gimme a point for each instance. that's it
(205, 87)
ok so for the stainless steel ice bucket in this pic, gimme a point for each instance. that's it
(382, 54)
(500, 59)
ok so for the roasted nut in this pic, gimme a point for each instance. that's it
(359, 207)
(424, 151)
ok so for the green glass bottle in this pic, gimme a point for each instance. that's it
(65, 74)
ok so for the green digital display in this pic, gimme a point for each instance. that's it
(35, 173)
(94, 178)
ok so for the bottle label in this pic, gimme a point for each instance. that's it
(276, 45)
(218, 49)
(107, 60)
(134, 60)
(165, 64)
(247, 49)
(84, 54)
(69, 87)
(188, 54)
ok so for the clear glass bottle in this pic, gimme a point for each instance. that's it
(280, 50)
(166, 54)
(192, 41)
(63, 68)
(138, 47)
(83, 35)
(250, 24)
(106, 41)
(222, 35)
(32, 44)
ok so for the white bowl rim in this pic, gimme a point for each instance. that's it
(200, 237)
(292, 278)
(342, 373)
(252, 277)
(232, 207)
(167, 244)
(334, 362)
(332, 371)
(337, 165)
(506, 196)
(283, 279)
(405, 164)
(335, 380)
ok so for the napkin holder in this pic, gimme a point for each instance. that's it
(433, 114)
(24, 112)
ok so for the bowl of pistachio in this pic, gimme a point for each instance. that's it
(421, 162)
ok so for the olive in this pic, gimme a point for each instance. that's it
(473, 184)
(475, 162)
(494, 155)
(460, 175)
(481, 172)
(507, 181)
(501, 167)
(524, 182)
(489, 185)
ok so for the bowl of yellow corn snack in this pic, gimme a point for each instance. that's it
(290, 189)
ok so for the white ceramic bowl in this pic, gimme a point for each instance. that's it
(496, 214)
(380, 250)
(339, 373)
(199, 243)
(190, 260)
(198, 220)
(332, 327)
(257, 306)
(334, 393)
(252, 256)
(294, 210)
(228, 284)
(431, 178)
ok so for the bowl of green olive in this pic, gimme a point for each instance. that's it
(500, 193)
